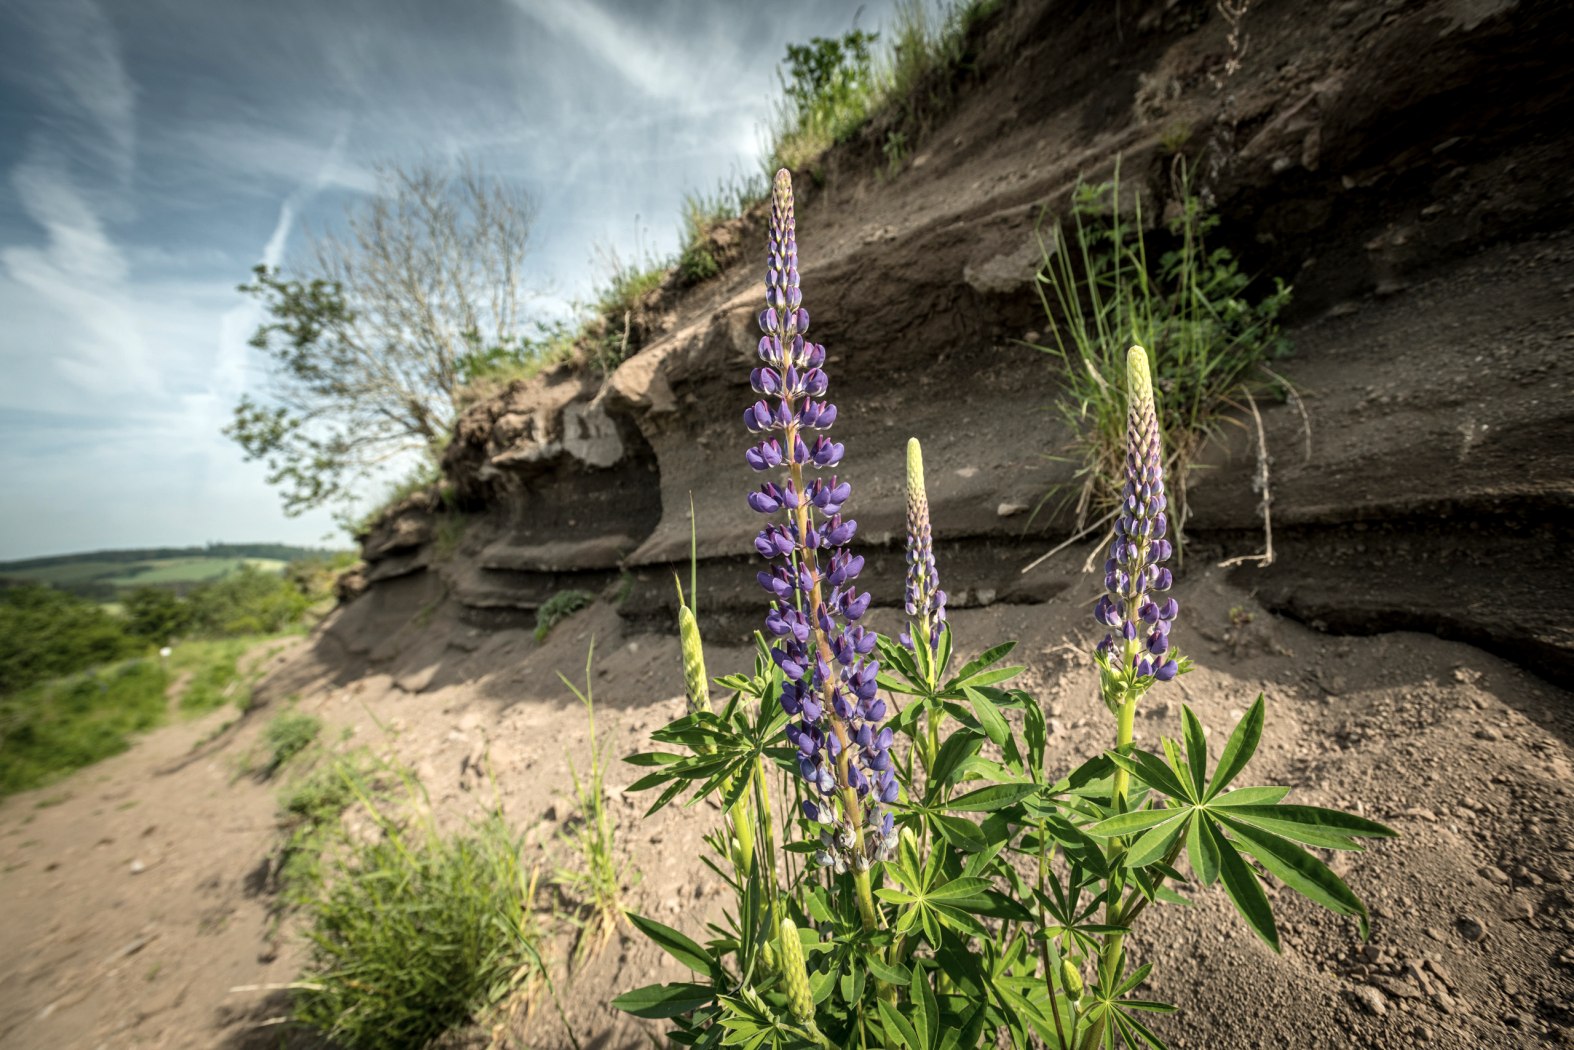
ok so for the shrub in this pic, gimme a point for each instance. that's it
(157, 615)
(558, 608)
(1103, 291)
(246, 601)
(45, 633)
(414, 932)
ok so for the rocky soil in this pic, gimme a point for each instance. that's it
(137, 890)
(1403, 163)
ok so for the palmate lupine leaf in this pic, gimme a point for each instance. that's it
(1115, 1010)
(1217, 827)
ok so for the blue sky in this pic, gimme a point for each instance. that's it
(153, 151)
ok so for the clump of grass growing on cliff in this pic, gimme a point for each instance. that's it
(414, 932)
(558, 608)
(1106, 286)
(703, 213)
(831, 87)
(485, 372)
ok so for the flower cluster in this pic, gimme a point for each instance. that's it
(824, 654)
(1134, 575)
(925, 600)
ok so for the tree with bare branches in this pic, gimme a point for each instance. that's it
(369, 342)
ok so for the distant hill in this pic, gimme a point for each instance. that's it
(103, 575)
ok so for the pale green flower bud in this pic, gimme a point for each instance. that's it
(795, 975)
(1071, 980)
(695, 683)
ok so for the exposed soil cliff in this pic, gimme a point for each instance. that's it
(1401, 163)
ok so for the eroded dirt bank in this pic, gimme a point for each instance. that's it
(1422, 211)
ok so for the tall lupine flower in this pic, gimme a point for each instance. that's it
(1134, 576)
(925, 600)
(843, 751)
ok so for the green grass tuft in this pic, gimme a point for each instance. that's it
(558, 608)
(286, 736)
(1103, 291)
(597, 877)
(415, 932)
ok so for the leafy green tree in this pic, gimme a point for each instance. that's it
(45, 633)
(156, 614)
(368, 338)
(247, 601)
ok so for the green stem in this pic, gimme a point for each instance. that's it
(866, 912)
(1110, 952)
(1043, 944)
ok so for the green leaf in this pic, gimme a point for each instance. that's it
(658, 1001)
(1313, 825)
(1245, 892)
(959, 891)
(1155, 843)
(1298, 869)
(1148, 769)
(653, 758)
(999, 674)
(1196, 750)
(674, 944)
(989, 716)
(1257, 796)
(984, 659)
(988, 799)
(896, 1025)
(1239, 749)
(958, 748)
(887, 972)
(926, 1012)
(1123, 824)
(960, 833)
(1203, 853)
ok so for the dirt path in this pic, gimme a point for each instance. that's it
(134, 905)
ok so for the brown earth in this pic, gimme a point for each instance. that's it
(1403, 163)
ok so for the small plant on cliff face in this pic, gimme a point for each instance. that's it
(558, 608)
(923, 879)
(1102, 292)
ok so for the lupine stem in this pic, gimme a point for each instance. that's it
(852, 811)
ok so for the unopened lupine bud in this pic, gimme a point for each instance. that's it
(795, 974)
(1140, 626)
(925, 600)
(1071, 980)
(695, 683)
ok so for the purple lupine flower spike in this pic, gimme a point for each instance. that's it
(1134, 609)
(924, 598)
(825, 656)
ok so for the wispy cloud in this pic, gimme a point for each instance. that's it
(657, 65)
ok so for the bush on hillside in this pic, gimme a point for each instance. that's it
(45, 633)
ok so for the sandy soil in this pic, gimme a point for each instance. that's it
(136, 889)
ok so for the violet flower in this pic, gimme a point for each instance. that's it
(1134, 576)
(824, 654)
